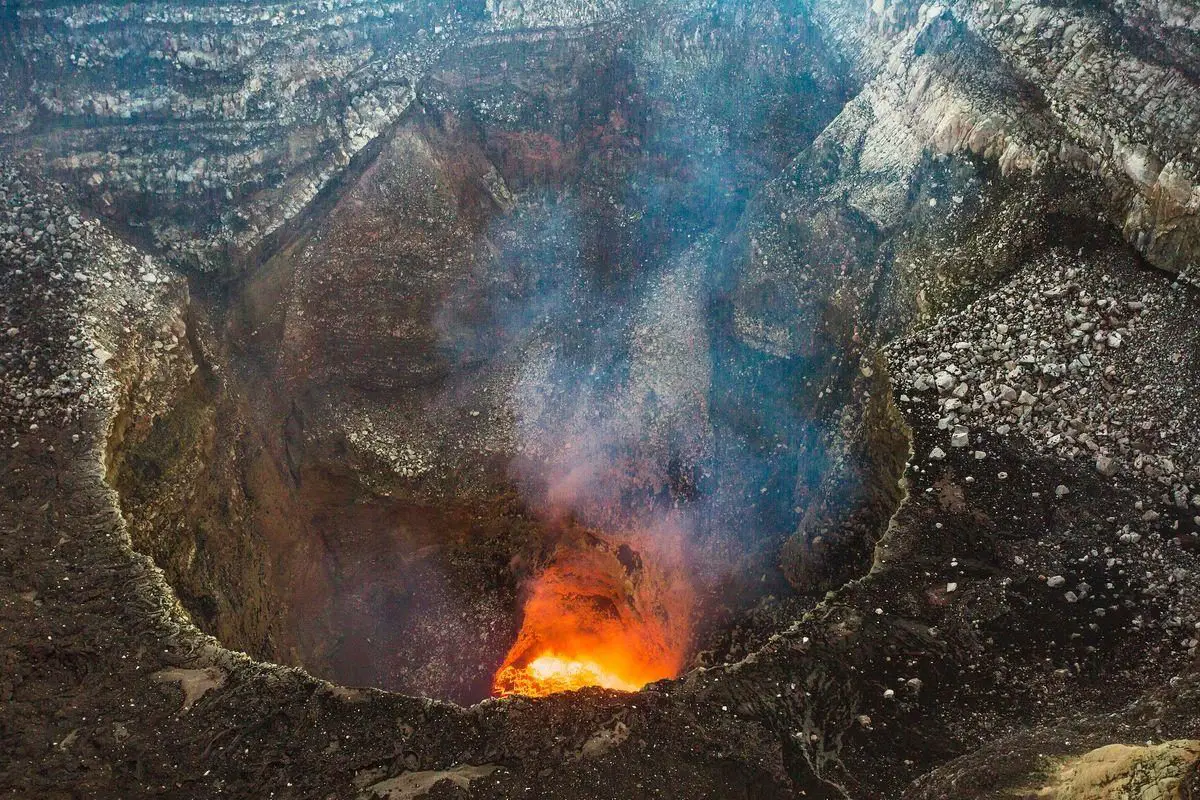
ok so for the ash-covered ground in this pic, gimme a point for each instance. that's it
(326, 330)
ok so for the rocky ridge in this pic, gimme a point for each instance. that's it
(80, 301)
(1056, 87)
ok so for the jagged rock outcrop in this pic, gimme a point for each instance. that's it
(1076, 87)
(213, 124)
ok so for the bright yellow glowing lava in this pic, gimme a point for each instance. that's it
(552, 673)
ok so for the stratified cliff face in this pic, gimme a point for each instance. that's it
(890, 303)
(216, 124)
(1101, 89)
(210, 125)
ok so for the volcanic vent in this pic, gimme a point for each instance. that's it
(496, 414)
(599, 614)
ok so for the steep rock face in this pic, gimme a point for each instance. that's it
(263, 115)
(349, 318)
(1108, 95)
(1134, 114)
(211, 124)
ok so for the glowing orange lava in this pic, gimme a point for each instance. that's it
(601, 614)
(552, 673)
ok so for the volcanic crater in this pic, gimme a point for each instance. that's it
(606, 399)
(485, 402)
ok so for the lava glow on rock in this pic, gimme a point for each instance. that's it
(601, 615)
(552, 673)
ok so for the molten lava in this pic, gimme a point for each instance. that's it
(601, 614)
(551, 673)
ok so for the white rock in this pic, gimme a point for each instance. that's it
(1106, 466)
